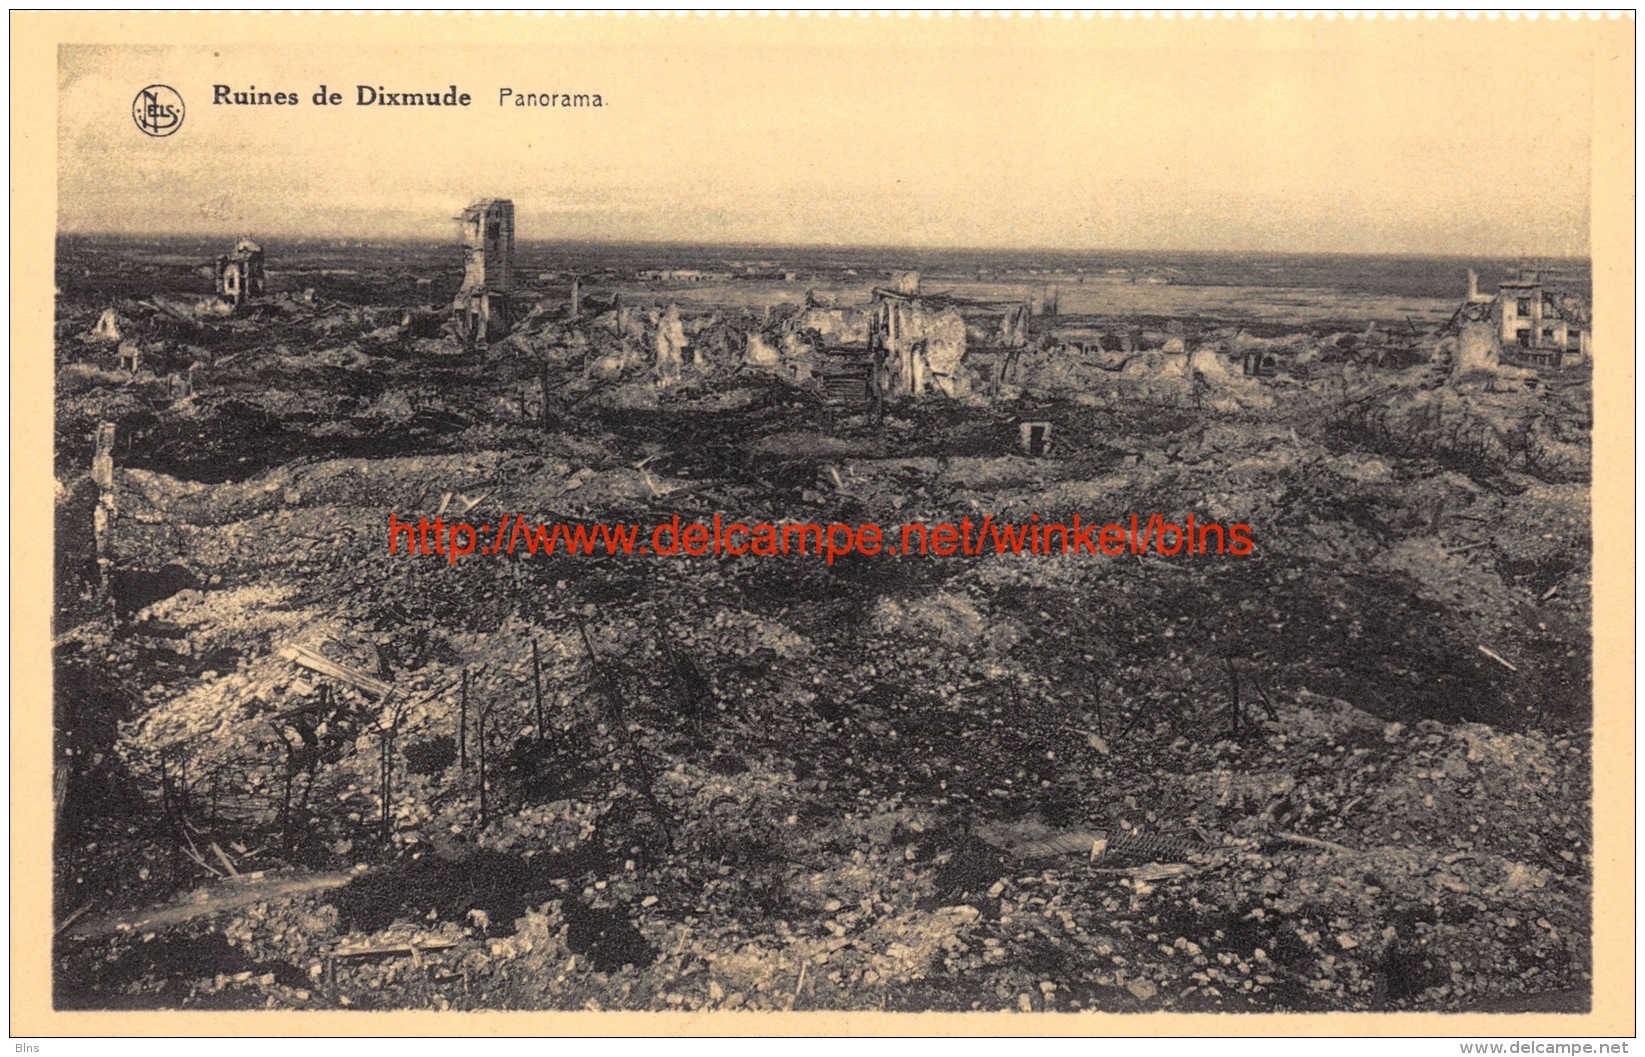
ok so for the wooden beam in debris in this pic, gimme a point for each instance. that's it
(393, 950)
(238, 894)
(1497, 657)
(326, 666)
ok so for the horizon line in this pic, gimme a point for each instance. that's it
(835, 247)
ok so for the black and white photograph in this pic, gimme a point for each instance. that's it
(797, 515)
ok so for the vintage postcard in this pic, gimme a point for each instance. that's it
(782, 523)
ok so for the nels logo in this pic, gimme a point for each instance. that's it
(158, 110)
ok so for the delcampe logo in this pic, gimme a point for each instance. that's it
(158, 110)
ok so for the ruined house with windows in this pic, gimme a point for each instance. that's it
(240, 275)
(1536, 320)
(483, 305)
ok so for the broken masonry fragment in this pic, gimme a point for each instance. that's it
(1034, 438)
(670, 346)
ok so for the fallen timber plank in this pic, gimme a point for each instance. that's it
(233, 895)
(326, 666)
(397, 950)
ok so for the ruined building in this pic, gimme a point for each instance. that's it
(1540, 321)
(916, 342)
(482, 306)
(1532, 318)
(240, 275)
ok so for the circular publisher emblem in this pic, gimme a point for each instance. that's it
(158, 110)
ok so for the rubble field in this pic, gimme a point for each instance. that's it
(1349, 772)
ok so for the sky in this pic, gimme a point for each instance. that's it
(983, 135)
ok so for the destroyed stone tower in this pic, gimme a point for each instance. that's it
(240, 275)
(482, 305)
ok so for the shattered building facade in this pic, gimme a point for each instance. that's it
(240, 275)
(482, 306)
(1530, 317)
(1541, 321)
(917, 340)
